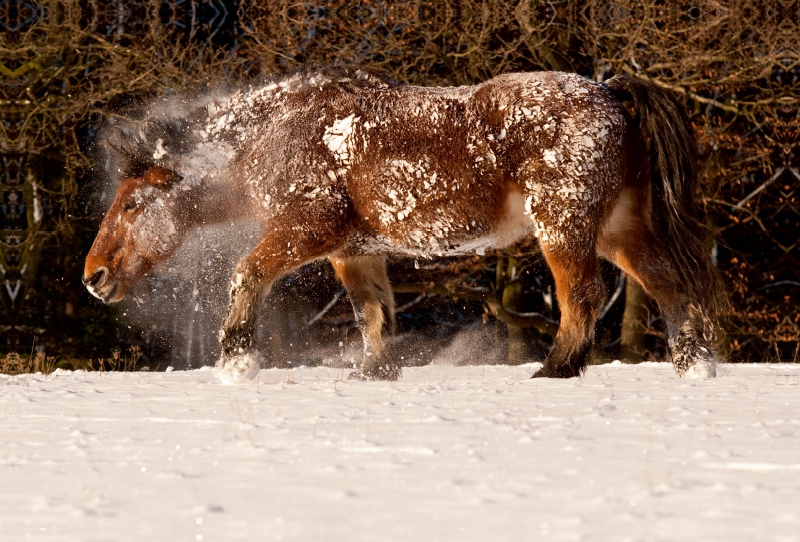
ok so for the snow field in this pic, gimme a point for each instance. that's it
(447, 453)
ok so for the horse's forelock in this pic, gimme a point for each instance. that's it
(173, 136)
(158, 138)
(129, 138)
(124, 155)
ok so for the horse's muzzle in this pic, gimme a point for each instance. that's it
(102, 287)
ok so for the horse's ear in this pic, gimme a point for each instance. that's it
(161, 177)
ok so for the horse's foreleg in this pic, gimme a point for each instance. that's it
(368, 287)
(279, 251)
(580, 292)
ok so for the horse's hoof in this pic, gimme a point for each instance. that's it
(559, 371)
(382, 372)
(701, 369)
(238, 369)
(539, 374)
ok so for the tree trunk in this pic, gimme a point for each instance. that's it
(517, 345)
(512, 299)
(634, 322)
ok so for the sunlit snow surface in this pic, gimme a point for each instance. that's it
(446, 453)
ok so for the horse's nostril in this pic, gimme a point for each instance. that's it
(97, 279)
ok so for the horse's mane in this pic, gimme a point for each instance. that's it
(155, 135)
(339, 75)
(160, 133)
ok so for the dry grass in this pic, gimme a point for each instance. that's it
(14, 364)
(118, 362)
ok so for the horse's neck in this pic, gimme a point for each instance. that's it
(211, 198)
(219, 202)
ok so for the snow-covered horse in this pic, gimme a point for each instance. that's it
(346, 164)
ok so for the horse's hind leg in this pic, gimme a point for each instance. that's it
(580, 292)
(629, 242)
(278, 251)
(373, 303)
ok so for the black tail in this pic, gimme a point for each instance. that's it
(673, 164)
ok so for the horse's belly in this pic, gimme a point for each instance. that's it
(448, 237)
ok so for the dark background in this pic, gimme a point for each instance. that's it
(66, 66)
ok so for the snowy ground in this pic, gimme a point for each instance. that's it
(447, 453)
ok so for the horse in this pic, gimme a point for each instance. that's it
(346, 164)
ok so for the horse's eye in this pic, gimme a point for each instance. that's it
(130, 206)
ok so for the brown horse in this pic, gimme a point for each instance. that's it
(346, 164)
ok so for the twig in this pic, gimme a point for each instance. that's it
(615, 296)
(781, 283)
(681, 90)
(327, 308)
(410, 304)
(751, 195)
(529, 319)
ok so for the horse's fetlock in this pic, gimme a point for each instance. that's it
(235, 340)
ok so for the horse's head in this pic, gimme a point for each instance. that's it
(144, 226)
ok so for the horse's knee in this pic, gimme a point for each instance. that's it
(587, 299)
